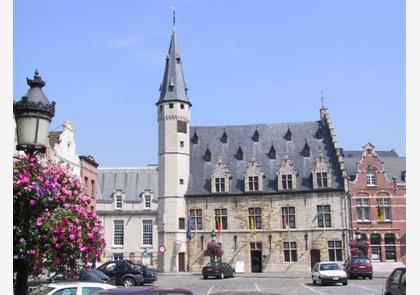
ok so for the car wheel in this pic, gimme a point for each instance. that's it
(345, 283)
(320, 282)
(129, 282)
(222, 276)
(233, 274)
(205, 277)
(370, 277)
(313, 282)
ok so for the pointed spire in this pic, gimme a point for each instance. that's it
(173, 87)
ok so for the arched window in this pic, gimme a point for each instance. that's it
(371, 176)
(375, 242)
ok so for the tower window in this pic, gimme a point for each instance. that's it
(181, 144)
(171, 105)
(182, 106)
(161, 108)
(181, 181)
(182, 126)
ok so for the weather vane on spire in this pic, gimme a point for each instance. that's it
(322, 98)
(173, 15)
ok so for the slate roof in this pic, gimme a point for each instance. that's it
(133, 181)
(394, 164)
(268, 134)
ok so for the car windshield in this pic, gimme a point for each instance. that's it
(360, 260)
(330, 266)
(43, 290)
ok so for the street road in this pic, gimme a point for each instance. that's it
(268, 286)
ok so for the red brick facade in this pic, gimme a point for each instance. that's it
(89, 176)
(377, 199)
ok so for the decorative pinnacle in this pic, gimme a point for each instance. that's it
(322, 98)
(37, 80)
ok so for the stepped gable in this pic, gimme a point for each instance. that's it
(269, 135)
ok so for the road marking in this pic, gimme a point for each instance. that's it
(303, 285)
(258, 288)
(366, 288)
(209, 291)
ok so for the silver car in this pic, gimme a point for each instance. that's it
(328, 272)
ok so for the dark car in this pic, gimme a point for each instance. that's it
(85, 276)
(146, 291)
(218, 269)
(358, 267)
(123, 272)
(395, 283)
(149, 274)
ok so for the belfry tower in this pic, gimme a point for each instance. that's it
(174, 116)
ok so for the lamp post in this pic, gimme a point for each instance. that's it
(358, 235)
(269, 240)
(33, 114)
(235, 239)
(306, 241)
(213, 236)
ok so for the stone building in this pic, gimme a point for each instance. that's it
(126, 203)
(278, 190)
(377, 196)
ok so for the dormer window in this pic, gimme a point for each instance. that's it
(321, 172)
(207, 155)
(286, 175)
(118, 198)
(319, 134)
(239, 154)
(253, 176)
(220, 179)
(371, 176)
(147, 201)
(306, 152)
(272, 153)
(256, 136)
(288, 135)
(194, 139)
(224, 137)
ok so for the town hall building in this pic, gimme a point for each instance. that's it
(275, 194)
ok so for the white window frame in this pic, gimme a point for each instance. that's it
(335, 248)
(371, 176)
(253, 183)
(385, 206)
(147, 201)
(114, 233)
(220, 184)
(147, 232)
(362, 209)
(118, 201)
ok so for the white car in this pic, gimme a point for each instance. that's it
(328, 272)
(70, 288)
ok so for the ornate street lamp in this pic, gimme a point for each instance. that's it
(33, 114)
(358, 234)
(306, 241)
(269, 240)
(235, 239)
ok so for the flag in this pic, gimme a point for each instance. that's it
(189, 228)
(286, 221)
(316, 216)
(252, 226)
(381, 216)
(219, 225)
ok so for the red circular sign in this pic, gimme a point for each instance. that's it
(162, 249)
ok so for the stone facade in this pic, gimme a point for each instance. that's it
(377, 196)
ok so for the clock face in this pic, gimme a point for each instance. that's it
(162, 249)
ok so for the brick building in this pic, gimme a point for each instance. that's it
(377, 196)
(89, 176)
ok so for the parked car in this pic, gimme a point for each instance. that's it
(85, 275)
(149, 274)
(328, 272)
(152, 290)
(395, 283)
(218, 269)
(123, 272)
(358, 267)
(71, 288)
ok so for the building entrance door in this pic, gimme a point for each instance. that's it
(315, 257)
(256, 257)
(181, 261)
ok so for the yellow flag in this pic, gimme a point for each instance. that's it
(252, 226)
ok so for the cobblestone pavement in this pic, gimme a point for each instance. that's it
(246, 285)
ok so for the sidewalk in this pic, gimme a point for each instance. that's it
(380, 270)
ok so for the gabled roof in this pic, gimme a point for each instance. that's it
(132, 181)
(173, 87)
(269, 134)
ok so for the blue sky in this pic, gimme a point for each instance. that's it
(245, 62)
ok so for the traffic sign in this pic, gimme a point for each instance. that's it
(162, 249)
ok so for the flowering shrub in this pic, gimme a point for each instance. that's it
(52, 229)
(214, 249)
(359, 248)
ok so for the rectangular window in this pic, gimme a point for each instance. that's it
(220, 184)
(118, 201)
(182, 126)
(92, 188)
(254, 218)
(384, 205)
(181, 144)
(335, 251)
(118, 232)
(221, 216)
(181, 223)
(253, 183)
(290, 251)
(197, 219)
(286, 180)
(147, 201)
(363, 209)
(288, 217)
(322, 179)
(147, 232)
(118, 256)
(324, 215)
